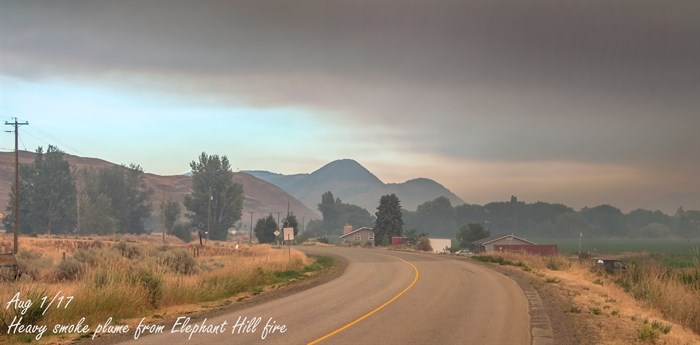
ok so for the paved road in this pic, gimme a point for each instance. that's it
(432, 300)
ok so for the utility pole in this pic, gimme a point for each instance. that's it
(16, 207)
(279, 226)
(211, 197)
(250, 239)
(162, 205)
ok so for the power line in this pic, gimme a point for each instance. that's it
(56, 140)
(22, 141)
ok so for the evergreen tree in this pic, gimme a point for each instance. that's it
(265, 229)
(216, 201)
(291, 222)
(389, 220)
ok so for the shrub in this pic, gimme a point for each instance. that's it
(152, 283)
(88, 257)
(69, 269)
(424, 244)
(31, 263)
(301, 238)
(285, 276)
(178, 261)
(553, 265)
(494, 259)
(128, 251)
(182, 232)
(647, 332)
(690, 277)
(552, 280)
(664, 328)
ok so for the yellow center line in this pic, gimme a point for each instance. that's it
(415, 280)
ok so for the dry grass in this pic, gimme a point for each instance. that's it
(134, 277)
(665, 310)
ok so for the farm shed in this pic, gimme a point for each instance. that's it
(399, 242)
(440, 245)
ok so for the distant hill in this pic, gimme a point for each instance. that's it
(261, 197)
(353, 183)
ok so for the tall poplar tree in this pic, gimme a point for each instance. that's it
(47, 194)
(216, 201)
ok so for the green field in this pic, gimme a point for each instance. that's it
(616, 246)
(672, 252)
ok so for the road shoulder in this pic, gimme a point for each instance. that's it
(549, 323)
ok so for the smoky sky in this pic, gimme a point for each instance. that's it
(593, 82)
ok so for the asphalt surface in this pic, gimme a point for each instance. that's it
(383, 297)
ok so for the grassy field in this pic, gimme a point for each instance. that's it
(133, 277)
(616, 246)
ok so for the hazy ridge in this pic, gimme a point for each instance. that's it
(353, 183)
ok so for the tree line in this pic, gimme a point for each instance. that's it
(438, 218)
(540, 219)
(57, 199)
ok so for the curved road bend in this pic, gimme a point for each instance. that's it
(452, 302)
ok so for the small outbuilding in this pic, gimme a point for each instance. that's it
(399, 242)
(440, 245)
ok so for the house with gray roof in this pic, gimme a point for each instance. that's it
(360, 237)
(491, 243)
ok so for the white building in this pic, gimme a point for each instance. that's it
(440, 245)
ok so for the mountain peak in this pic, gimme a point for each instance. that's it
(348, 170)
(351, 182)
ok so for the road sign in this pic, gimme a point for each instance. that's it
(288, 234)
(2, 216)
(277, 233)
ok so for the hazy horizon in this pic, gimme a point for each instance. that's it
(576, 103)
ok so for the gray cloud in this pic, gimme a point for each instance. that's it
(614, 82)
